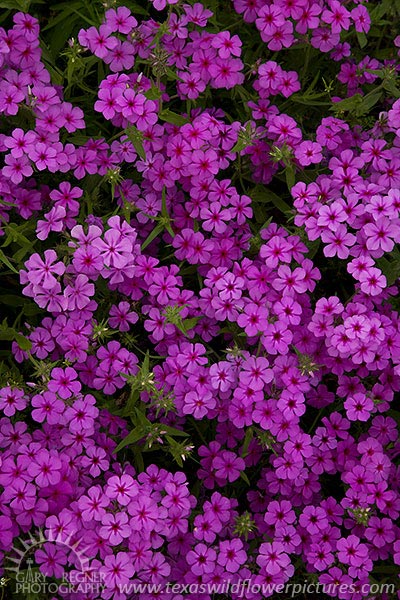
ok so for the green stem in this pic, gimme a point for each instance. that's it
(315, 420)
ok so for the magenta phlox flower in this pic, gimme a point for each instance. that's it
(93, 504)
(117, 570)
(115, 528)
(115, 249)
(78, 293)
(63, 382)
(144, 513)
(42, 272)
(122, 489)
(51, 558)
(201, 559)
(273, 560)
(12, 400)
(228, 466)
(120, 20)
(351, 551)
(46, 467)
(81, 414)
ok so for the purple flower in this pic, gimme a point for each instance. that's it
(358, 407)
(272, 559)
(117, 570)
(63, 382)
(51, 558)
(12, 400)
(351, 551)
(231, 555)
(41, 272)
(201, 559)
(228, 466)
(7, 534)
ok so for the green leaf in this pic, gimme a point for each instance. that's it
(10, 4)
(348, 104)
(61, 18)
(4, 259)
(134, 396)
(390, 269)
(138, 457)
(19, 255)
(79, 139)
(265, 195)
(240, 145)
(14, 235)
(368, 102)
(174, 448)
(7, 334)
(11, 300)
(141, 419)
(247, 439)
(156, 231)
(173, 431)
(362, 39)
(23, 342)
(188, 324)
(135, 8)
(146, 365)
(380, 11)
(133, 436)
(391, 87)
(244, 477)
(312, 85)
(313, 248)
(290, 177)
(153, 93)
(136, 137)
(170, 117)
(172, 75)
(82, 16)
(31, 309)
(395, 414)
(164, 210)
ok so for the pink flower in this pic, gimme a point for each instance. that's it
(122, 489)
(372, 281)
(115, 528)
(228, 466)
(358, 407)
(338, 17)
(46, 467)
(272, 559)
(11, 400)
(117, 570)
(41, 272)
(120, 19)
(198, 404)
(94, 504)
(51, 558)
(382, 234)
(20, 142)
(6, 532)
(337, 241)
(161, 4)
(79, 293)
(201, 559)
(16, 168)
(63, 382)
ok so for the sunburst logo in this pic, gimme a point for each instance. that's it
(53, 551)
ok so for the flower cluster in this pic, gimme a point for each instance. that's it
(177, 303)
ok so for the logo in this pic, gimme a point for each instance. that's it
(50, 563)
